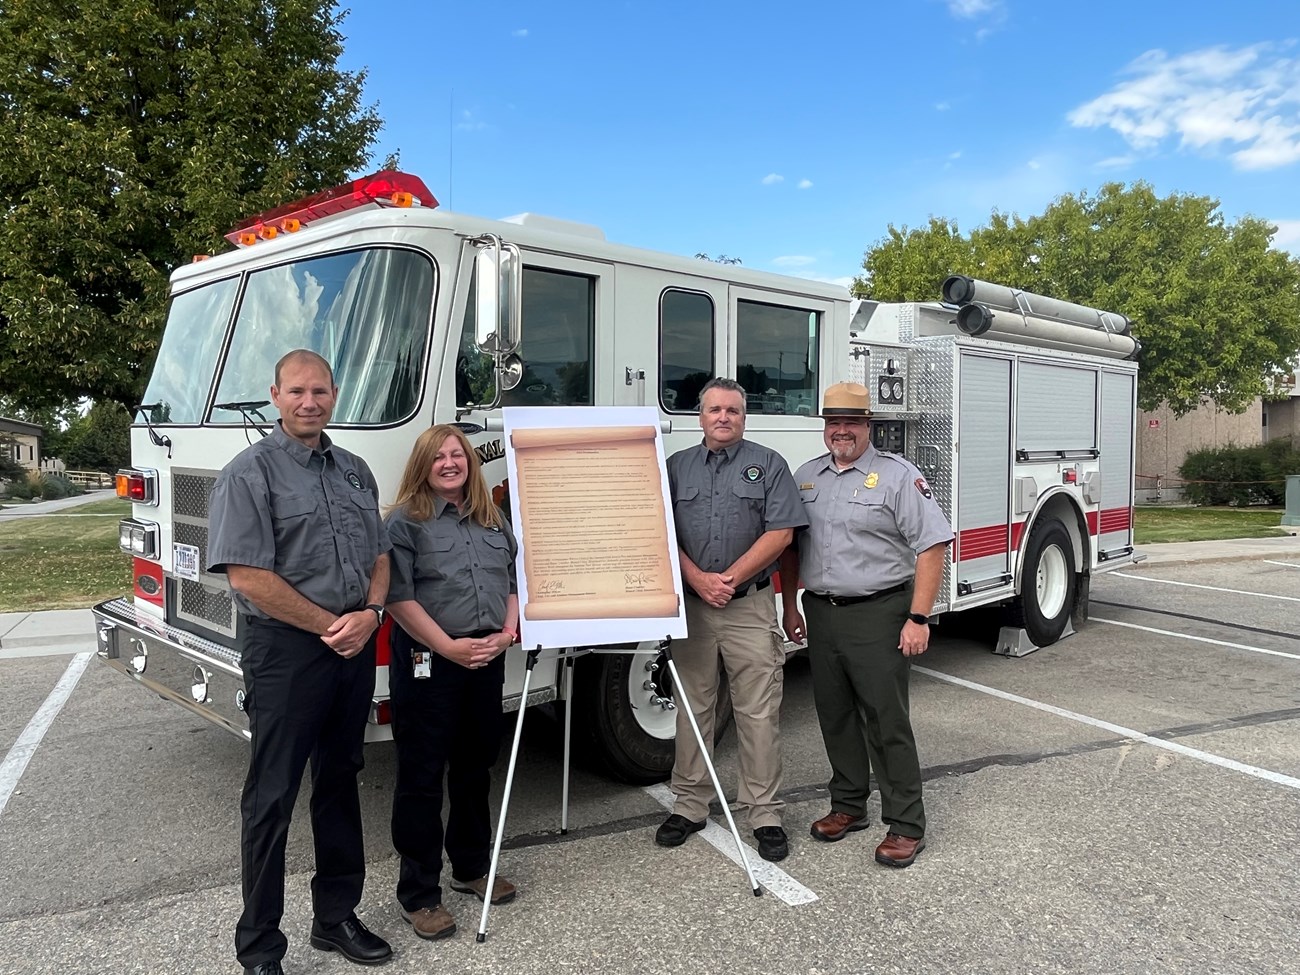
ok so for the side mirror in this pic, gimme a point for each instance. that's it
(498, 313)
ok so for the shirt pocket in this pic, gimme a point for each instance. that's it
(496, 553)
(437, 559)
(298, 532)
(808, 495)
(747, 506)
(869, 513)
(363, 525)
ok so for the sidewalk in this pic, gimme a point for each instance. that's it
(19, 510)
(73, 630)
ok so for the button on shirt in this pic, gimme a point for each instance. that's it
(724, 500)
(865, 524)
(309, 516)
(460, 572)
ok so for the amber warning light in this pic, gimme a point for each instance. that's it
(386, 188)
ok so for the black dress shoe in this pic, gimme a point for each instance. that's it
(266, 968)
(772, 843)
(351, 939)
(674, 830)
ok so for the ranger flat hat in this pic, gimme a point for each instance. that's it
(846, 399)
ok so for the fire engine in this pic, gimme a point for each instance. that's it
(1018, 409)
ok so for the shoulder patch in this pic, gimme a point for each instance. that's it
(752, 473)
(923, 487)
(353, 479)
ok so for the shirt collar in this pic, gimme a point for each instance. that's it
(441, 504)
(298, 450)
(729, 451)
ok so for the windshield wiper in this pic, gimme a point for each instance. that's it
(244, 408)
(159, 440)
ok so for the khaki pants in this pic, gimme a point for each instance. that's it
(744, 636)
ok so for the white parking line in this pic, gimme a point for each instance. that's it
(1260, 773)
(16, 761)
(1193, 585)
(769, 875)
(1198, 639)
(1289, 565)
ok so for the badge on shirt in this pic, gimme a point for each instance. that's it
(923, 487)
(872, 480)
(353, 479)
(752, 473)
(807, 487)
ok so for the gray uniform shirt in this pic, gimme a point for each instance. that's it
(310, 516)
(457, 570)
(865, 524)
(724, 501)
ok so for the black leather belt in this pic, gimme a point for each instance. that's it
(739, 593)
(851, 600)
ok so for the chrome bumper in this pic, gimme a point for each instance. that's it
(178, 666)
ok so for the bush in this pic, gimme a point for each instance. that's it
(1234, 475)
(53, 487)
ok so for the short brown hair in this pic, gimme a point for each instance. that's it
(303, 354)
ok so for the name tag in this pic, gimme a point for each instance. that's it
(420, 663)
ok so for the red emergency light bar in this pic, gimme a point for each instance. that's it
(385, 188)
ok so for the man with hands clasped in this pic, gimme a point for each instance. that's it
(871, 562)
(295, 527)
(455, 601)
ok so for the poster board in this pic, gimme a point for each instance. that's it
(598, 562)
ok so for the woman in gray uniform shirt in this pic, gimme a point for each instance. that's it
(453, 596)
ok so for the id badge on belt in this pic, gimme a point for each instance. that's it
(420, 660)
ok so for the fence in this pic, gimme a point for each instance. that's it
(95, 479)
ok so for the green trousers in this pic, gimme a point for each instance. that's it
(860, 685)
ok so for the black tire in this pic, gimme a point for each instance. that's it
(608, 734)
(1050, 577)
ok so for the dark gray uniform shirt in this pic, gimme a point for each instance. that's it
(865, 523)
(460, 572)
(724, 501)
(310, 516)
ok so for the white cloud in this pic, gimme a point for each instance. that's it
(1244, 100)
(805, 184)
(969, 9)
(521, 32)
(1288, 235)
(793, 260)
(1115, 162)
(1033, 164)
(955, 155)
(470, 122)
(942, 106)
(771, 179)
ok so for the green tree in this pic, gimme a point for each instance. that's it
(99, 441)
(1217, 310)
(135, 134)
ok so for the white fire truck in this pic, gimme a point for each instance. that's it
(1019, 410)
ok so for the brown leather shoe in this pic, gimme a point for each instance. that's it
(836, 825)
(503, 891)
(431, 923)
(899, 851)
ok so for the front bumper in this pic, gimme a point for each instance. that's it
(188, 670)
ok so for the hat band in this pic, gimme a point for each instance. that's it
(845, 411)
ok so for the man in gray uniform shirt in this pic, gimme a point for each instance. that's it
(295, 526)
(735, 507)
(871, 563)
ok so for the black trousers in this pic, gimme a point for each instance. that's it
(304, 702)
(447, 722)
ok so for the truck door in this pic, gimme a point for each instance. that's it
(981, 515)
(1115, 523)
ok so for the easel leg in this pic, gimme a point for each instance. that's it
(505, 798)
(685, 705)
(568, 724)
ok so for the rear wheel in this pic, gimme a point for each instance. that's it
(620, 720)
(1050, 584)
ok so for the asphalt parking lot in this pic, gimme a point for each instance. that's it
(1126, 801)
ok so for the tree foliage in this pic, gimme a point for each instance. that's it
(100, 440)
(135, 134)
(1217, 310)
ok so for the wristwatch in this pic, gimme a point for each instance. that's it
(919, 618)
(378, 611)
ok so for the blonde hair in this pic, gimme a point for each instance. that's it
(415, 496)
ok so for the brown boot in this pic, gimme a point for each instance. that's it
(899, 851)
(431, 923)
(836, 825)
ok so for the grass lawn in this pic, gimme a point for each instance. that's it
(62, 561)
(1174, 524)
(106, 506)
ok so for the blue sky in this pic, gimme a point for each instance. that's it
(791, 136)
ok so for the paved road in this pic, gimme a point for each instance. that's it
(50, 507)
(1126, 801)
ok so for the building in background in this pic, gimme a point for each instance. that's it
(21, 442)
(1164, 441)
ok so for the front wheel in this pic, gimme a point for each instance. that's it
(620, 720)
(1049, 586)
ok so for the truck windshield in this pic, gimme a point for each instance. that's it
(187, 358)
(366, 311)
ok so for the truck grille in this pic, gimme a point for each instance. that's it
(206, 601)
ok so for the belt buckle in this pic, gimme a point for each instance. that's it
(835, 600)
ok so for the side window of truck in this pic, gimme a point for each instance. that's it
(685, 349)
(776, 357)
(559, 318)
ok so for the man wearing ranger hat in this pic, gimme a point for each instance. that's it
(871, 561)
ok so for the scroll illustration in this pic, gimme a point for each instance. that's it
(595, 538)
